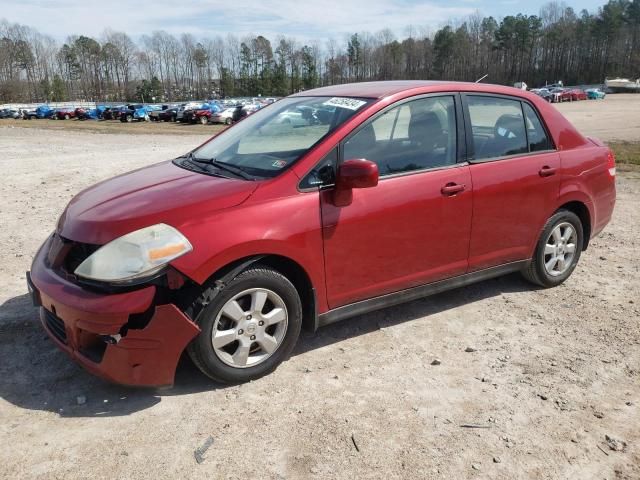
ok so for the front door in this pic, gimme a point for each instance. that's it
(413, 227)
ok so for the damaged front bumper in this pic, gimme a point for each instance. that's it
(103, 332)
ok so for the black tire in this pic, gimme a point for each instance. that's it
(204, 315)
(536, 272)
(227, 121)
(204, 120)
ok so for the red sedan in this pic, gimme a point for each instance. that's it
(65, 113)
(407, 189)
(578, 94)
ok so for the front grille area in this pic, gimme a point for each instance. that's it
(65, 256)
(55, 326)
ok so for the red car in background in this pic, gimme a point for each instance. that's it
(561, 95)
(410, 188)
(65, 113)
(578, 94)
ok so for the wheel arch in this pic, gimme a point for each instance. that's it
(583, 213)
(288, 267)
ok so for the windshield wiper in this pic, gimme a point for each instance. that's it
(221, 165)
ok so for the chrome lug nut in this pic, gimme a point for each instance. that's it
(253, 337)
(240, 332)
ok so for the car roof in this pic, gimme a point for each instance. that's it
(386, 88)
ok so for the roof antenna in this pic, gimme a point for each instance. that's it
(482, 78)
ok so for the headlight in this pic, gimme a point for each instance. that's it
(135, 255)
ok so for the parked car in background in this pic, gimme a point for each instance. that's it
(90, 113)
(577, 94)
(595, 94)
(187, 107)
(543, 93)
(228, 251)
(203, 114)
(13, 113)
(153, 116)
(44, 111)
(137, 112)
(81, 113)
(170, 114)
(165, 113)
(251, 108)
(560, 95)
(65, 113)
(28, 114)
(111, 113)
(225, 116)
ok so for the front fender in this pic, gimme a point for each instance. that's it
(289, 227)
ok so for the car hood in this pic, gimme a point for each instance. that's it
(161, 193)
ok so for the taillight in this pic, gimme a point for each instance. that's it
(611, 163)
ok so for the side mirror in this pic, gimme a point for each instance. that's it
(354, 173)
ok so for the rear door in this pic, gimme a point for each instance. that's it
(413, 227)
(514, 168)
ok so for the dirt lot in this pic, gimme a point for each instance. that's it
(553, 371)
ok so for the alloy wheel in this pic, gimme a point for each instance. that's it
(560, 249)
(249, 327)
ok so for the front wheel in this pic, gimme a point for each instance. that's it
(204, 120)
(249, 327)
(557, 251)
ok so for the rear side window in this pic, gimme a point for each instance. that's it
(538, 139)
(497, 125)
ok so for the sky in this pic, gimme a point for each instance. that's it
(306, 20)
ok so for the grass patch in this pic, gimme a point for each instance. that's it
(627, 153)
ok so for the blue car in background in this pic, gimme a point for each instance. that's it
(595, 94)
(137, 112)
(44, 111)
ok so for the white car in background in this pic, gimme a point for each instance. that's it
(225, 116)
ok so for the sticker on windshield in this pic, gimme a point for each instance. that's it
(342, 102)
(279, 164)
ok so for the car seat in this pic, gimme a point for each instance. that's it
(509, 137)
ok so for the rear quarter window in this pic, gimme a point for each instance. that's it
(537, 135)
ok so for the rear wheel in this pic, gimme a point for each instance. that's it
(249, 327)
(228, 121)
(204, 120)
(557, 251)
(67, 117)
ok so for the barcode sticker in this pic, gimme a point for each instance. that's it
(343, 102)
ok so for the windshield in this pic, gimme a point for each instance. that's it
(267, 142)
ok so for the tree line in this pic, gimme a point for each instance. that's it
(557, 44)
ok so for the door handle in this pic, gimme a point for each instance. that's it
(547, 171)
(452, 188)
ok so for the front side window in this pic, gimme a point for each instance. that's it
(497, 126)
(269, 141)
(416, 135)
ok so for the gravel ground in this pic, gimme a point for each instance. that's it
(551, 375)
